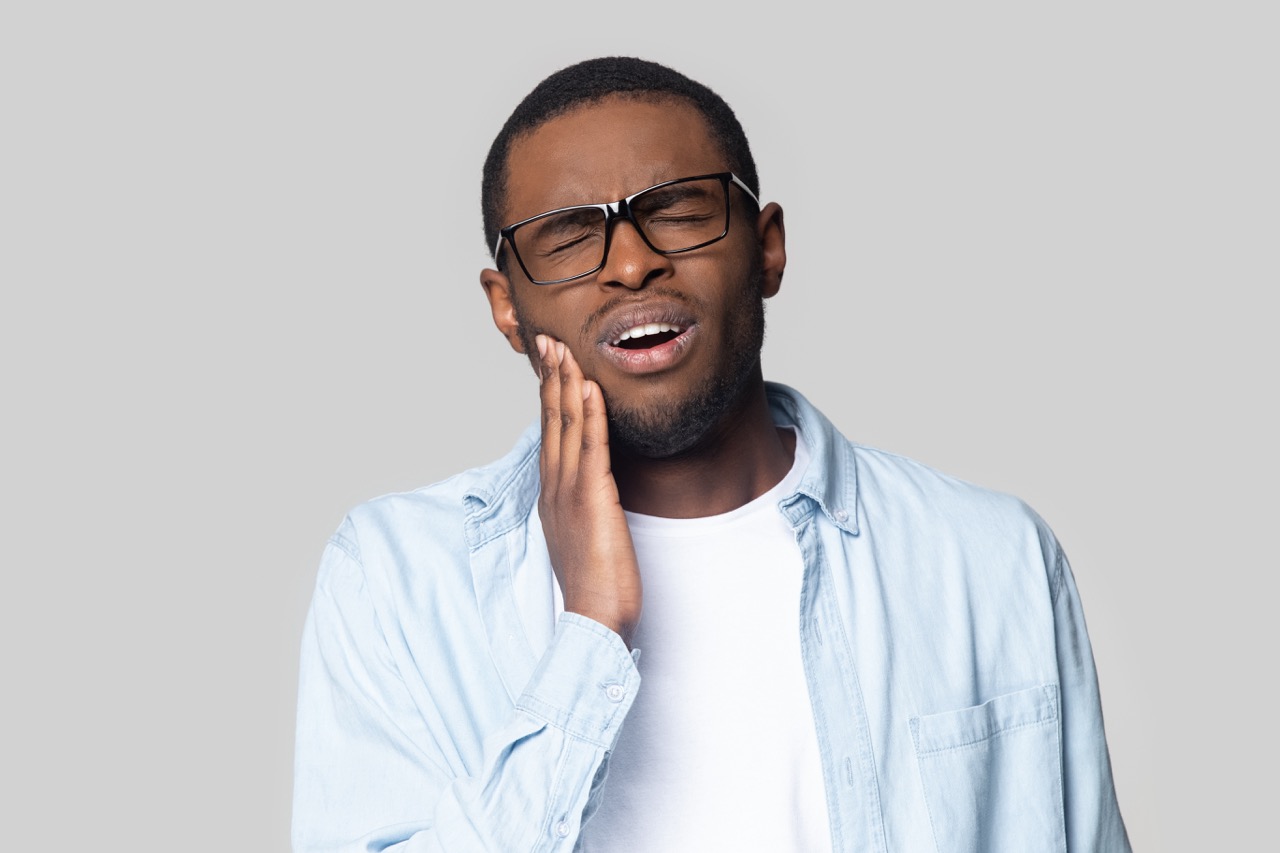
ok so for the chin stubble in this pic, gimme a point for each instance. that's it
(670, 430)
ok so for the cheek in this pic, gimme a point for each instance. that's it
(539, 314)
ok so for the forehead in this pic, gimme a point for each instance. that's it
(606, 151)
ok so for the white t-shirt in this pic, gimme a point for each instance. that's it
(719, 751)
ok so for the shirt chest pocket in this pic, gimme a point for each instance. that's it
(992, 774)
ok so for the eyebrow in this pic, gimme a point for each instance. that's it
(663, 195)
(655, 178)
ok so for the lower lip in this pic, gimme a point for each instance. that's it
(651, 360)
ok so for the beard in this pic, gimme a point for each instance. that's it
(672, 428)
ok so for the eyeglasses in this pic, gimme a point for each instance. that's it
(572, 242)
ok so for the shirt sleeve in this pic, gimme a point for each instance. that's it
(1092, 814)
(369, 776)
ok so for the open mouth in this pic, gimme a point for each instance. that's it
(647, 336)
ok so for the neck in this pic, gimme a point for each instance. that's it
(741, 457)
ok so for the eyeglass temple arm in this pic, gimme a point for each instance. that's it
(735, 179)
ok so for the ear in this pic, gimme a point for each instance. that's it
(498, 288)
(773, 245)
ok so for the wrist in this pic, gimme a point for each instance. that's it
(617, 622)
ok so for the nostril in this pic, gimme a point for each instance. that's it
(630, 261)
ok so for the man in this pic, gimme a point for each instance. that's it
(843, 650)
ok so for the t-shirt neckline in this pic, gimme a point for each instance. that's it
(655, 524)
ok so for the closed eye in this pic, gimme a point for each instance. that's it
(661, 222)
(565, 246)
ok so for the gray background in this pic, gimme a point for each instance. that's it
(1033, 246)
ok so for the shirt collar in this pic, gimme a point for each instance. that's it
(831, 479)
(501, 495)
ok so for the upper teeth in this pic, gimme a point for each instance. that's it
(647, 329)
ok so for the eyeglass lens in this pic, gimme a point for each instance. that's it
(568, 243)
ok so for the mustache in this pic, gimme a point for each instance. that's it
(639, 298)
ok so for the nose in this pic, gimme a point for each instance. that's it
(630, 262)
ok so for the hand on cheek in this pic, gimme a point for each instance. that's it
(587, 536)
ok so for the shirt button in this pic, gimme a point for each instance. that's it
(615, 692)
(841, 516)
(562, 829)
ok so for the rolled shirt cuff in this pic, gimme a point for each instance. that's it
(585, 682)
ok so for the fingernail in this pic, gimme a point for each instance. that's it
(560, 350)
(541, 341)
(586, 391)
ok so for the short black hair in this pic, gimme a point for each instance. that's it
(589, 82)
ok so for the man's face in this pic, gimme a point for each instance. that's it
(665, 391)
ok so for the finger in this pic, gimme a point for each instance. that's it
(595, 431)
(549, 392)
(570, 415)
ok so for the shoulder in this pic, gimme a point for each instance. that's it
(426, 529)
(890, 486)
(898, 494)
(915, 499)
(887, 476)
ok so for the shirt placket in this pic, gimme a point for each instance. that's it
(848, 762)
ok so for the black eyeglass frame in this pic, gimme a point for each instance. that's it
(621, 209)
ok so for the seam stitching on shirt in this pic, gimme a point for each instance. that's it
(867, 759)
(346, 546)
(569, 731)
(992, 736)
(1059, 574)
(552, 808)
(928, 804)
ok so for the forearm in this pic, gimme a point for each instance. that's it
(378, 769)
(537, 785)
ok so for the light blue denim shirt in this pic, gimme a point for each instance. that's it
(951, 678)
